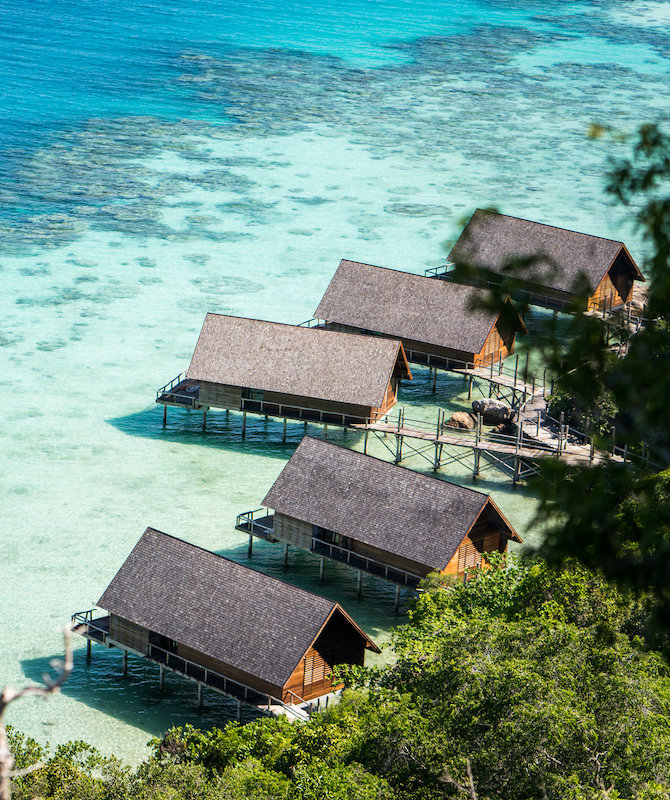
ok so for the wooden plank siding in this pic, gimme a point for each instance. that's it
(127, 633)
(293, 531)
(219, 395)
(213, 395)
(228, 671)
(336, 644)
(499, 344)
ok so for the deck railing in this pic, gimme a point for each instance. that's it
(371, 565)
(248, 522)
(191, 669)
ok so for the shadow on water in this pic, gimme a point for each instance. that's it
(224, 431)
(137, 699)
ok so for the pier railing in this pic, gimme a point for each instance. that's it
(191, 669)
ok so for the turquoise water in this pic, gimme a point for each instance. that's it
(158, 161)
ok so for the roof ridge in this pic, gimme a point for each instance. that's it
(394, 466)
(547, 225)
(236, 563)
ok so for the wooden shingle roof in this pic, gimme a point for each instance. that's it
(248, 620)
(307, 362)
(417, 517)
(490, 239)
(408, 306)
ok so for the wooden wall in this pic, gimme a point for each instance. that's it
(219, 395)
(499, 344)
(338, 643)
(483, 538)
(330, 406)
(294, 531)
(229, 671)
(125, 632)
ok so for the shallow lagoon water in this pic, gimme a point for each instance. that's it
(161, 161)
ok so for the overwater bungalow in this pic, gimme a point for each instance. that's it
(435, 322)
(564, 259)
(289, 371)
(377, 517)
(225, 626)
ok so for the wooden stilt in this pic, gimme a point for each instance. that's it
(365, 442)
(239, 710)
(470, 387)
(359, 585)
(285, 556)
(475, 470)
(204, 419)
(284, 436)
(251, 546)
(515, 479)
(321, 568)
(436, 461)
(325, 432)
(125, 663)
(305, 426)
(164, 415)
(199, 695)
(161, 677)
(88, 649)
(244, 424)
(434, 379)
(398, 448)
(396, 605)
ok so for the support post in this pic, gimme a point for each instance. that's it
(164, 415)
(398, 448)
(325, 432)
(204, 419)
(516, 369)
(478, 429)
(285, 556)
(284, 435)
(592, 450)
(359, 584)
(161, 677)
(537, 428)
(396, 605)
(519, 435)
(125, 663)
(365, 442)
(470, 388)
(321, 568)
(239, 710)
(251, 546)
(434, 379)
(199, 695)
(88, 649)
(305, 426)
(436, 462)
(515, 479)
(475, 470)
(244, 424)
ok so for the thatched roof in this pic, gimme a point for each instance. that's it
(407, 306)
(490, 239)
(306, 362)
(417, 517)
(234, 614)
